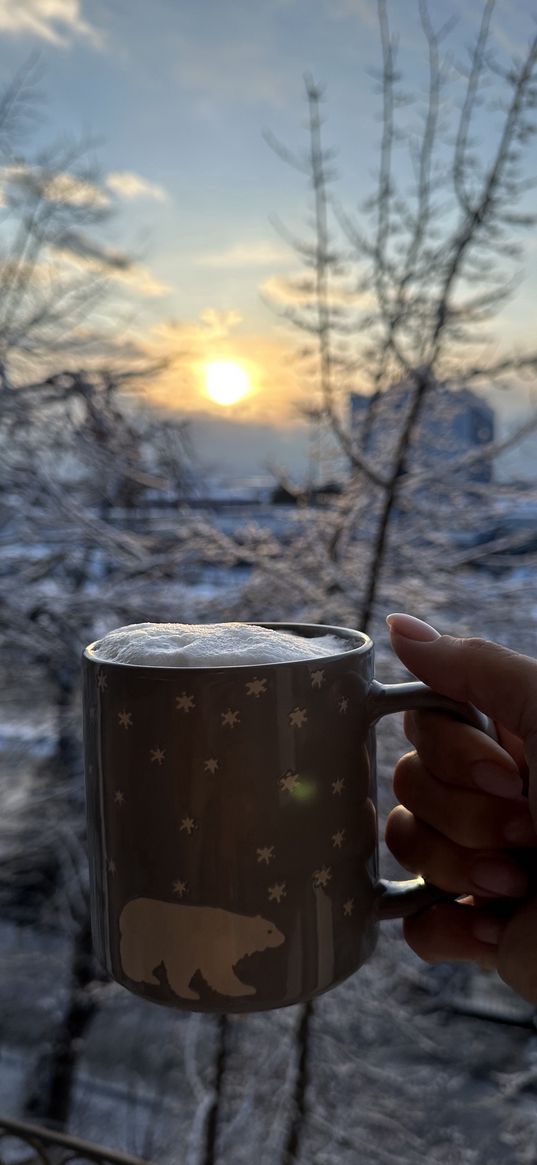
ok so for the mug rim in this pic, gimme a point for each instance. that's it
(364, 644)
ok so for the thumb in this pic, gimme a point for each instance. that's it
(502, 683)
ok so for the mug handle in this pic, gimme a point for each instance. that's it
(398, 899)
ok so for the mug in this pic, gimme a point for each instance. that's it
(232, 824)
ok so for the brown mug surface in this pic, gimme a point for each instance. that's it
(232, 830)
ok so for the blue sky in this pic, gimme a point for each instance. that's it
(177, 93)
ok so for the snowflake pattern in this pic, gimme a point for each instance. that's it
(189, 824)
(265, 854)
(184, 702)
(289, 781)
(277, 892)
(230, 718)
(322, 877)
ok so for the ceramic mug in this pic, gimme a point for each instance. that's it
(232, 824)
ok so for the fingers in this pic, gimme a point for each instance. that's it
(502, 683)
(452, 932)
(424, 850)
(467, 817)
(461, 755)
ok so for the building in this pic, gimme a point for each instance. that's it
(454, 421)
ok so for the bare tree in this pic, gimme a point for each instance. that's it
(436, 263)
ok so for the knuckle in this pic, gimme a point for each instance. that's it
(467, 830)
(476, 644)
(396, 832)
(403, 774)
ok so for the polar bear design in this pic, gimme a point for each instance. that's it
(187, 939)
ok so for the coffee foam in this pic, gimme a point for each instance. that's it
(211, 645)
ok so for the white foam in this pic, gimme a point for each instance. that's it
(211, 644)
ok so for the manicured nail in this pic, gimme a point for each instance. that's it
(495, 779)
(488, 930)
(411, 628)
(496, 878)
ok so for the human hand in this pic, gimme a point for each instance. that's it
(466, 826)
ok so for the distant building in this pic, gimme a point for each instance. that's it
(453, 422)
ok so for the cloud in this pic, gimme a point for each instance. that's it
(189, 345)
(78, 250)
(365, 10)
(56, 21)
(74, 190)
(53, 185)
(262, 253)
(287, 291)
(129, 185)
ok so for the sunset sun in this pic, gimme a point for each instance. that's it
(226, 382)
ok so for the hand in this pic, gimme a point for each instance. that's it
(464, 821)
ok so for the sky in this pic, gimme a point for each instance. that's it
(176, 96)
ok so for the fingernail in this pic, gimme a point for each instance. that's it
(498, 879)
(488, 930)
(495, 779)
(520, 829)
(411, 628)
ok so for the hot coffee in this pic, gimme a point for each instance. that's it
(231, 810)
(212, 645)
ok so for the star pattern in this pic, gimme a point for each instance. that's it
(184, 702)
(322, 877)
(277, 892)
(265, 854)
(289, 781)
(230, 718)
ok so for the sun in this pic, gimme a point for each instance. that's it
(226, 382)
